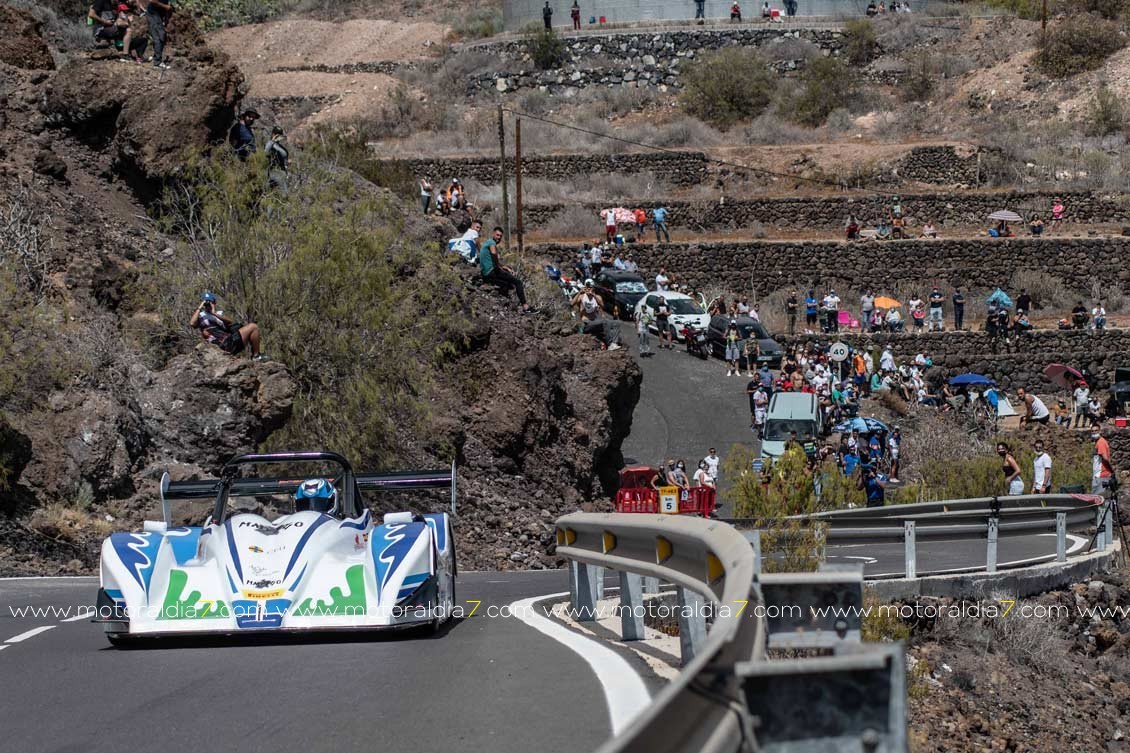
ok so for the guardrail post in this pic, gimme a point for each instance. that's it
(631, 607)
(582, 591)
(1100, 534)
(1109, 541)
(1061, 537)
(910, 549)
(991, 554)
(692, 623)
(598, 580)
(651, 585)
(754, 537)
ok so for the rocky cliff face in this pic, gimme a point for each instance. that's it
(534, 415)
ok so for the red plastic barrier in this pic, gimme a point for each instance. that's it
(699, 500)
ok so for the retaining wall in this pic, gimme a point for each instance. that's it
(927, 164)
(829, 213)
(768, 266)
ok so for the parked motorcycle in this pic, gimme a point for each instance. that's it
(696, 341)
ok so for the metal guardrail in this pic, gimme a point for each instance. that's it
(729, 697)
(981, 518)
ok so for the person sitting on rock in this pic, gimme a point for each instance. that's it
(589, 308)
(221, 331)
(498, 274)
(112, 26)
(1036, 226)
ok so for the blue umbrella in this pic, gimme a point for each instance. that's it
(969, 380)
(1000, 298)
(862, 425)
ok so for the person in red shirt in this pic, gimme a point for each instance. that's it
(735, 12)
(641, 222)
(1102, 470)
(575, 14)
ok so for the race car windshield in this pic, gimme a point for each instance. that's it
(631, 287)
(755, 331)
(684, 306)
(778, 430)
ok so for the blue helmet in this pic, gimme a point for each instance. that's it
(316, 494)
(208, 296)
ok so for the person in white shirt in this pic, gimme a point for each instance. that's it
(630, 264)
(1098, 317)
(712, 462)
(618, 263)
(702, 476)
(894, 320)
(1037, 412)
(1042, 470)
(920, 359)
(868, 362)
(743, 307)
(662, 281)
(1080, 396)
(887, 360)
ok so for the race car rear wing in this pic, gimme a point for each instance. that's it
(249, 487)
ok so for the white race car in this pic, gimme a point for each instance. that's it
(325, 566)
(684, 310)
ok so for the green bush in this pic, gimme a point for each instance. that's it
(1107, 116)
(213, 14)
(546, 48)
(919, 82)
(360, 310)
(860, 43)
(476, 23)
(828, 84)
(1080, 43)
(348, 149)
(729, 85)
(784, 489)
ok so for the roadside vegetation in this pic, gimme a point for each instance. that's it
(359, 308)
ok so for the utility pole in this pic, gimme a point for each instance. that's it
(1044, 17)
(518, 179)
(502, 168)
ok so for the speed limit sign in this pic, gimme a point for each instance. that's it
(838, 352)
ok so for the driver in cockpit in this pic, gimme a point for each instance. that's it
(316, 494)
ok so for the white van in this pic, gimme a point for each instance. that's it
(789, 412)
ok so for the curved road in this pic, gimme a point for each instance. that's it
(484, 684)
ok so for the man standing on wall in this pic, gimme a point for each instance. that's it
(157, 13)
(791, 306)
(699, 9)
(575, 14)
(547, 16)
(936, 318)
(958, 309)
(1102, 470)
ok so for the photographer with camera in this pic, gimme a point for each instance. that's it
(872, 485)
(221, 331)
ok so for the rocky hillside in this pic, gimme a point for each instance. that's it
(99, 404)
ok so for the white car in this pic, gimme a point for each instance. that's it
(684, 310)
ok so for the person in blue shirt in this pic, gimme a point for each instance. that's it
(874, 448)
(870, 484)
(659, 217)
(241, 137)
(810, 306)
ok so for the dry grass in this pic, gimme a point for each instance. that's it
(63, 523)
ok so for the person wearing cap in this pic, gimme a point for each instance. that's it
(111, 23)
(278, 158)
(219, 330)
(832, 311)
(241, 137)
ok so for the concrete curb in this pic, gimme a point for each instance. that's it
(1020, 582)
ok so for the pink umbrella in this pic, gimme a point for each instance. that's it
(1064, 376)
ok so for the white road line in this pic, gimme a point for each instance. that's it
(3, 646)
(50, 577)
(76, 618)
(30, 634)
(624, 691)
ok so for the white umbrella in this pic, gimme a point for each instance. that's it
(1004, 215)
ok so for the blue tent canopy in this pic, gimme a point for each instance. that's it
(1000, 298)
(862, 425)
(969, 380)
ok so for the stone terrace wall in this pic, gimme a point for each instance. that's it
(927, 164)
(1019, 364)
(978, 264)
(630, 59)
(677, 168)
(829, 213)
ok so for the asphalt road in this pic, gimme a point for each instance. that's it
(686, 406)
(485, 684)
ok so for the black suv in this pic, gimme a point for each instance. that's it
(620, 291)
(771, 351)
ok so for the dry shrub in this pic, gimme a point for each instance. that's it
(1081, 42)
